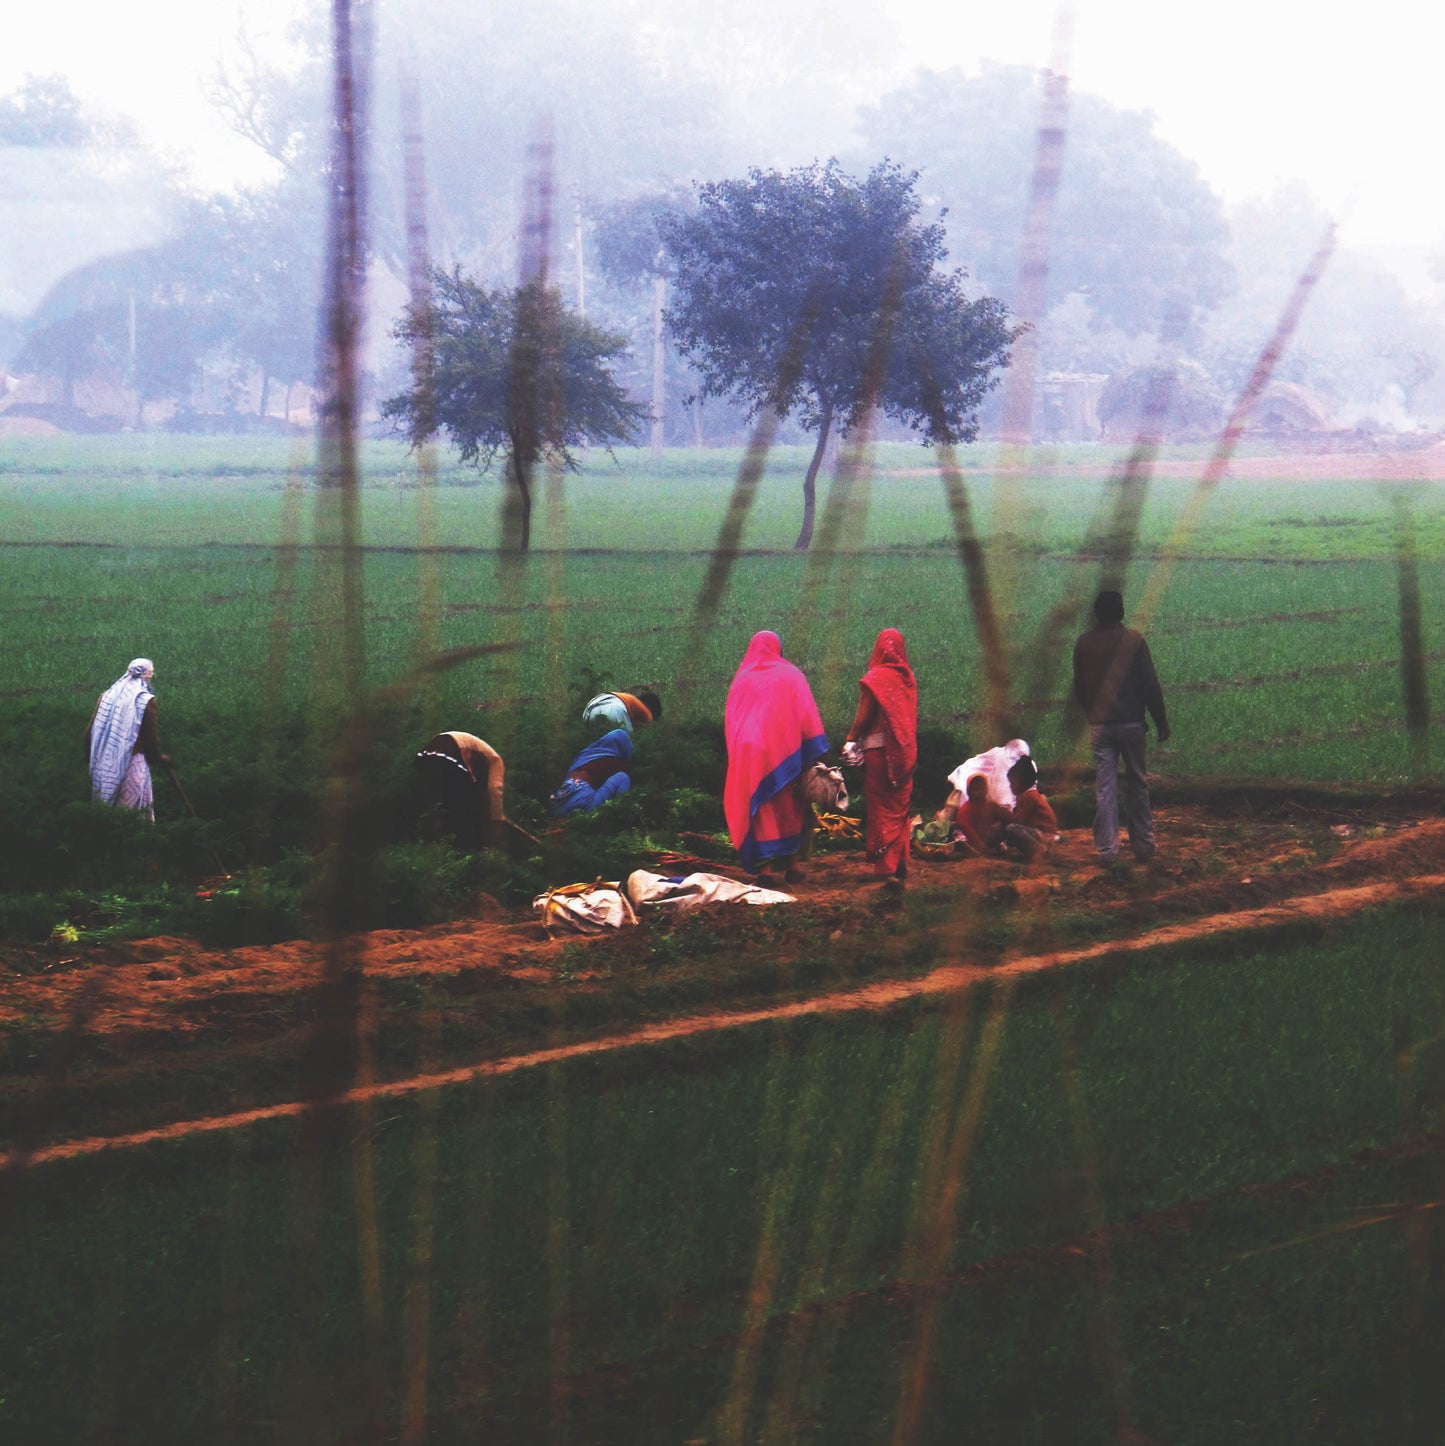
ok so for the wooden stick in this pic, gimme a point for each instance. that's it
(190, 809)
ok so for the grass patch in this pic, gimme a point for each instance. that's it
(626, 1199)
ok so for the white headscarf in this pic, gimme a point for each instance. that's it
(994, 765)
(116, 727)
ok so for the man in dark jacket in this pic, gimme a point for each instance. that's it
(1115, 683)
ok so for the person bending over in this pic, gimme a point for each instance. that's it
(598, 774)
(622, 710)
(461, 777)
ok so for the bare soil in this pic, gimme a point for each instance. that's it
(1212, 871)
(1359, 463)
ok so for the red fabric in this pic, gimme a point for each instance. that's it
(981, 823)
(887, 803)
(891, 682)
(773, 734)
(1034, 811)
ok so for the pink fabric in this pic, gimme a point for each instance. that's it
(773, 734)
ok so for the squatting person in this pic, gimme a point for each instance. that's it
(597, 775)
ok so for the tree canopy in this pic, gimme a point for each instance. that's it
(45, 111)
(1136, 229)
(629, 237)
(145, 317)
(515, 372)
(787, 283)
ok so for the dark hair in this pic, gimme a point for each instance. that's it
(1023, 775)
(1109, 607)
(652, 703)
(969, 782)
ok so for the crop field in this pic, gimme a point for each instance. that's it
(1171, 1197)
(1159, 1163)
(1277, 633)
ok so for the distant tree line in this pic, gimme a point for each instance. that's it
(701, 327)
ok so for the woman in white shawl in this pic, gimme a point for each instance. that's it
(992, 765)
(123, 742)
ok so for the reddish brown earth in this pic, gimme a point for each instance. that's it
(1388, 464)
(1216, 875)
(1212, 874)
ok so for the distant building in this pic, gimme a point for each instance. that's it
(1287, 407)
(1068, 407)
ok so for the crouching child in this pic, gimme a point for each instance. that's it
(978, 826)
(1032, 827)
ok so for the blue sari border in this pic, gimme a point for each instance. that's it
(775, 781)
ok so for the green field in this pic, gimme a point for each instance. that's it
(1277, 634)
(1189, 1196)
(572, 1254)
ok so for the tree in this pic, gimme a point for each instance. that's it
(46, 113)
(1363, 342)
(1180, 402)
(787, 283)
(516, 373)
(146, 317)
(1136, 228)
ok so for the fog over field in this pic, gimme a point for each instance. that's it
(161, 193)
(382, 371)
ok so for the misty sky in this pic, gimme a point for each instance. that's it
(1253, 90)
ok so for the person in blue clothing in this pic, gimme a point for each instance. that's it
(597, 774)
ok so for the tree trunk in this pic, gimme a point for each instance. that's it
(810, 482)
(517, 518)
(287, 403)
(659, 381)
(265, 392)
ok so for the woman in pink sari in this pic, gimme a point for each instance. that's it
(885, 729)
(774, 734)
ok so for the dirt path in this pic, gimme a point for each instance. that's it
(1415, 463)
(1213, 863)
(1335, 904)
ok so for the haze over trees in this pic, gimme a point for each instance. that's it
(1369, 350)
(225, 288)
(789, 283)
(75, 185)
(1136, 228)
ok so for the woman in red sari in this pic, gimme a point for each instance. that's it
(885, 729)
